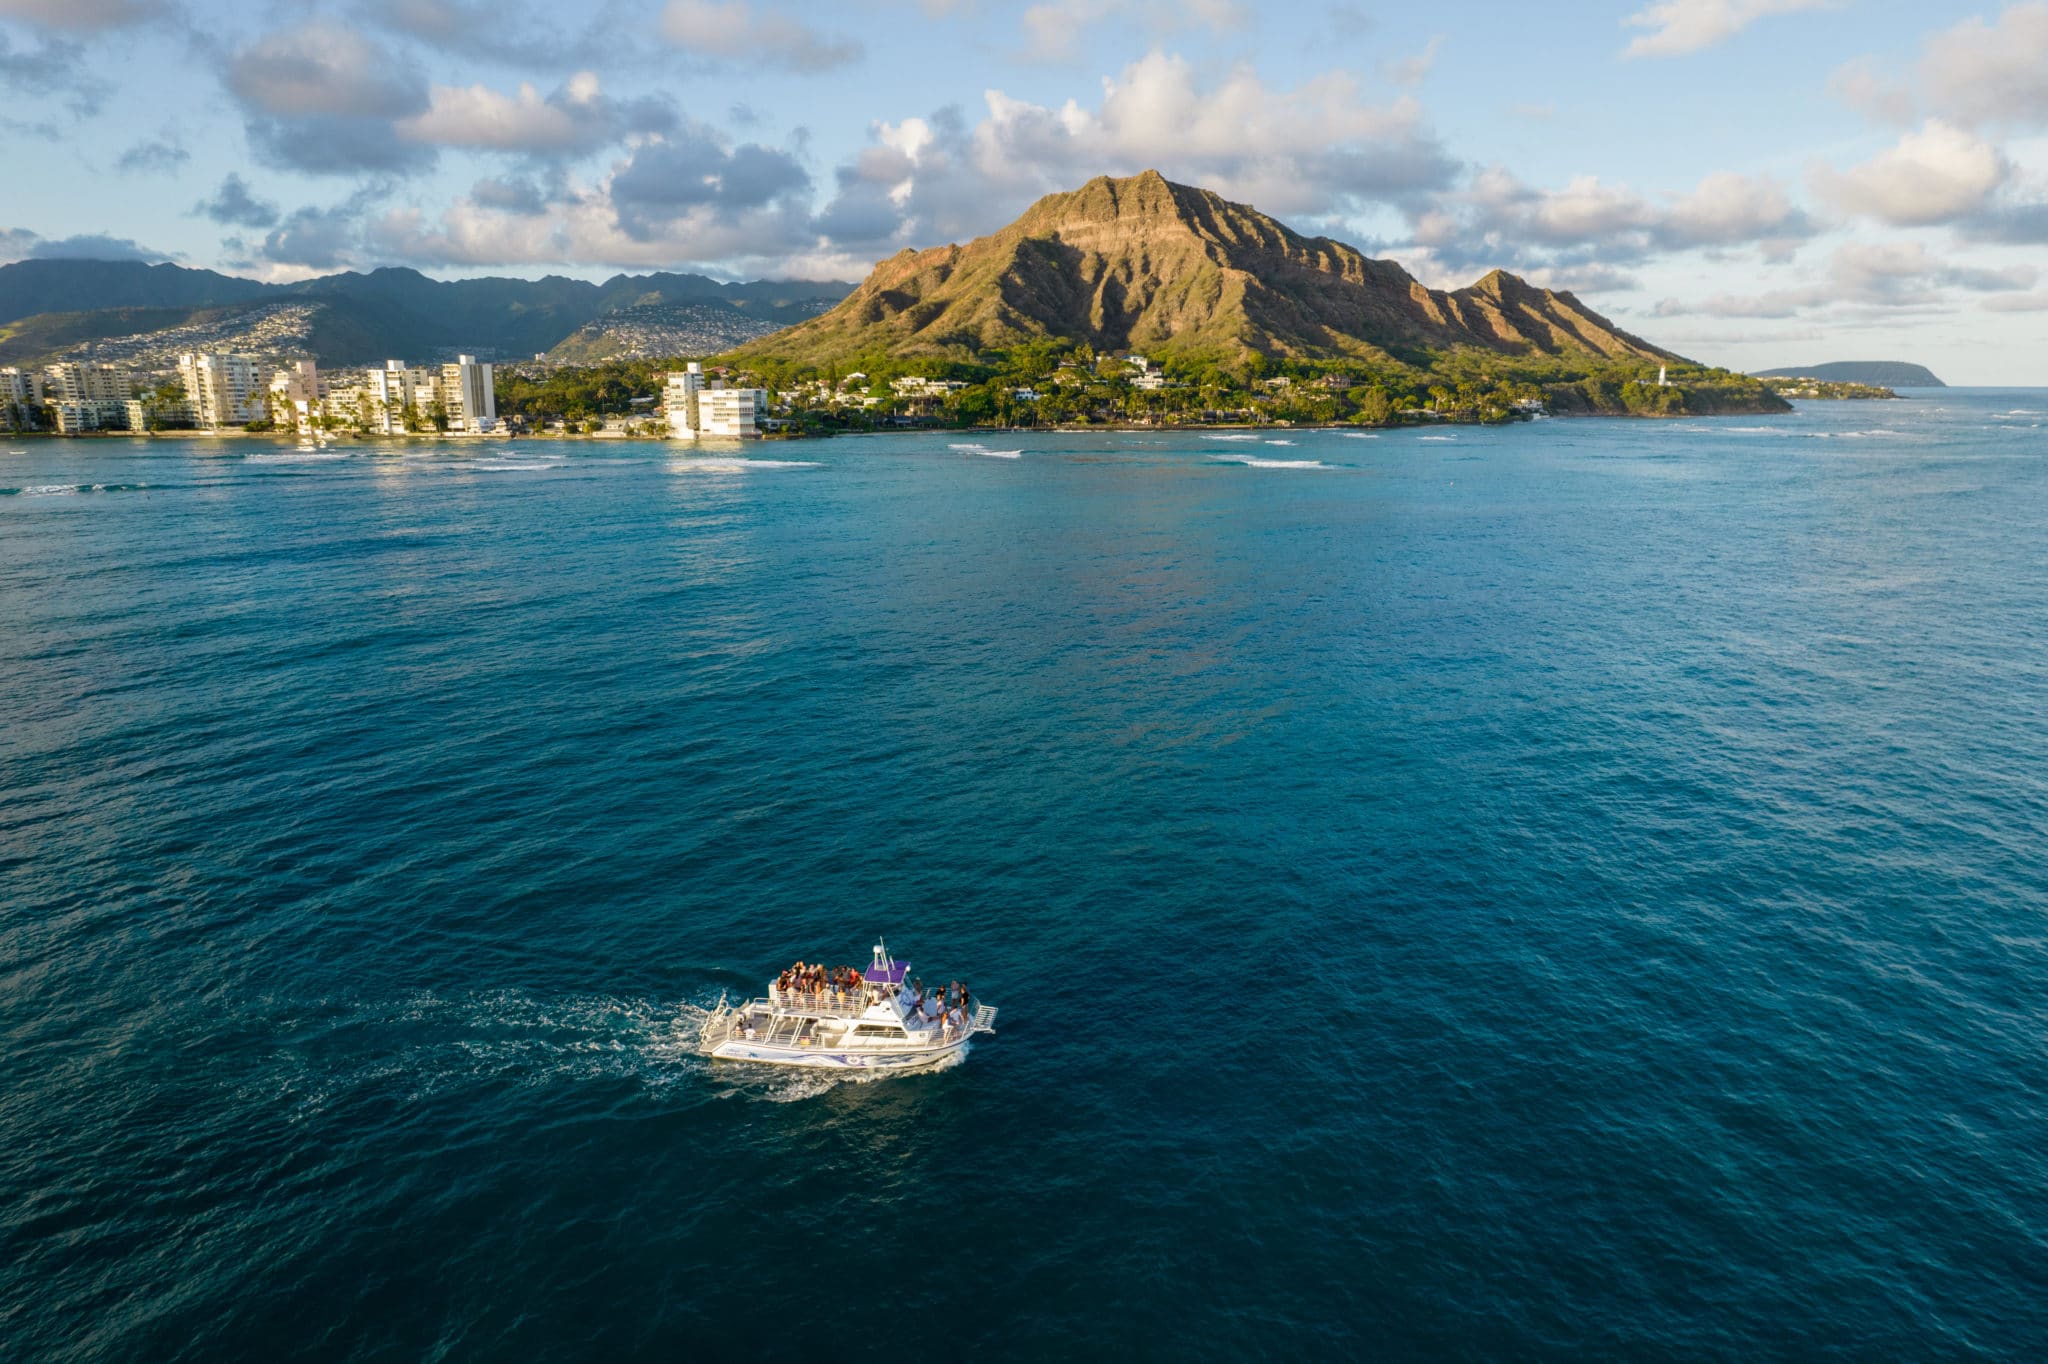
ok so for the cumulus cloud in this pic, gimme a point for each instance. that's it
(153, 155)
(733, 30)
(1412, 71)
(19, 243)
(1319, 149)
(691, 199)
(323, 99)
(577, 118)
(1580, 235)
(1936, 175)
(2036, 302)
(516, 32)
(232, 205)
(1992, 73)
(57, 69)
(2010, 223)
(1862, 86)
(1882, 275)
(1677, 27)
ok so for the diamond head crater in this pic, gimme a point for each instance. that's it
(1129, 301)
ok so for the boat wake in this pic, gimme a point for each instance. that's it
(428, 1043)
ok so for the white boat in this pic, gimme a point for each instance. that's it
(874, 1024)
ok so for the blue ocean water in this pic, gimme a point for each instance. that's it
(1570, 890)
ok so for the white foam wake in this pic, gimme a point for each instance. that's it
(737, 466)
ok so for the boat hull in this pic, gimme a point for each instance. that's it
(824, 1058)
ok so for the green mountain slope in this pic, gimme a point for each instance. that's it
(110, 309)
(1148, 265)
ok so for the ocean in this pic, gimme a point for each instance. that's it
(1570, 890)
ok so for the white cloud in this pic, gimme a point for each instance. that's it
(2036, 302)
(1864, 88)
(577, 118)
(1864, 275)
(1412, 71)
(1939, 174)
(1319, 149)
(1681, 26)
(1992, 73)
(732, 30)
(1589, 227)
(324, 70)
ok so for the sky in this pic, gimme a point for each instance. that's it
(1750, 182)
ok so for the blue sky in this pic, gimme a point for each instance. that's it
(1752, 182)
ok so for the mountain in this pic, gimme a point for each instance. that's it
(141, 313)
(1878, 373)
(1147, 265)
(30, 287)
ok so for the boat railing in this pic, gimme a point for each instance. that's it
(825, 1003)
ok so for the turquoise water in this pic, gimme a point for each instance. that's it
(1572, 890)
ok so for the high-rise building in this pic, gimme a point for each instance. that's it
(73, 381)
(223, 390)
(696, 408)
(731, 411)
(21, 393)
(467, 397)
(680, 393)
(295, 396)
(394, 391)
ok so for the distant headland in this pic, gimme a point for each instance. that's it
(1877, 373)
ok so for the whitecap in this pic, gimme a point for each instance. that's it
(1359, 435)
(51, 490)
(1279, 442)
(1230, 438)
(1001, 454)
(736, 466)
(1439, 438)
(1253, 462)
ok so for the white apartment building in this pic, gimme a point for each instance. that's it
(696, 409)
(167, 415)
(731, 411)
(468, 397)
(295, 396)
(392, 392)
(73, 381)
(94, 414)
(916, 388)
(680, 395)
(20, 386)
(223, 390)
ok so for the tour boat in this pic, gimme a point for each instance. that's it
(875, 1025)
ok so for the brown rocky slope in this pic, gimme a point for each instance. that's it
(1147, 265)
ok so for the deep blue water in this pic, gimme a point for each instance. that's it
(1574, 890)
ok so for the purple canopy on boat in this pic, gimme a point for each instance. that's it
(892, 974)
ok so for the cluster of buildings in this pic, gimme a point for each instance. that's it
(697, 407)
(214, 392)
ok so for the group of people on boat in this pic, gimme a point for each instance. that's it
(949, 1008)
(837, 983)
